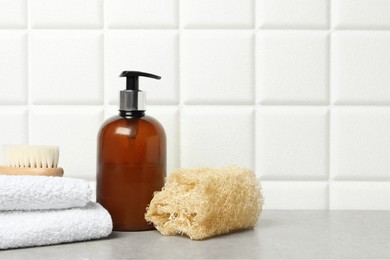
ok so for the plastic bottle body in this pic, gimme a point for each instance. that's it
(131, 166)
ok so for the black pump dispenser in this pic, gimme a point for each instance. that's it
(133, 99)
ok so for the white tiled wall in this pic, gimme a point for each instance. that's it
(298, 90)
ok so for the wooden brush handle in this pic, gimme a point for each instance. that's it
(4, 170)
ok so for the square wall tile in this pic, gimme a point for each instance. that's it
(213, 136)
(66, 67)
(292, 143)
(360, 143)
(293, 14)
(13, 66)
(142, 14)
(217, 67)
(295, 194)
(74, 129)
(360, 67)
(14, 127)
(13, 14)
(292, 67)
(217, 14)
(350, 195)
(361, 14)
(149, 51)
(66, 14)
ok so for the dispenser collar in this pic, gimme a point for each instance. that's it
(133, 99)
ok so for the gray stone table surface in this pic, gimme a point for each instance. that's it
(280, 234)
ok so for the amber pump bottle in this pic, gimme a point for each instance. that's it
(131, 159)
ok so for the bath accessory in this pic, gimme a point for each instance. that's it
(205, 202)
(31, 160)
(42, 192)
(36, 228)
(131, 159)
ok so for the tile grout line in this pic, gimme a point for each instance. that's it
(104, 30)
(179, 75)
(29, 66)
(329, 153)
(254, 69)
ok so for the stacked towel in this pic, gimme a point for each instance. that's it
(41, 192)
(37, 210)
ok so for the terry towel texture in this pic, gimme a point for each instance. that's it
(46, 227)
(206, 202)
(41, 192)
(40, 210)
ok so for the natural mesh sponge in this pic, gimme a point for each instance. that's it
(206, 202)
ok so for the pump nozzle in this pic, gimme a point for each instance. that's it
(132, 78)
(132, 99)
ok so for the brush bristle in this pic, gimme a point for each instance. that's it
(32, 156)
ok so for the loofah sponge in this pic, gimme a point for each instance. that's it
(206, 202)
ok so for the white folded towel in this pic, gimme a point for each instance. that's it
(41, 192)
(46, 227)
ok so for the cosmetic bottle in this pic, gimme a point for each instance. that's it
(131, 158)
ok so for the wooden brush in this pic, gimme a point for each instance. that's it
(31, 160)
